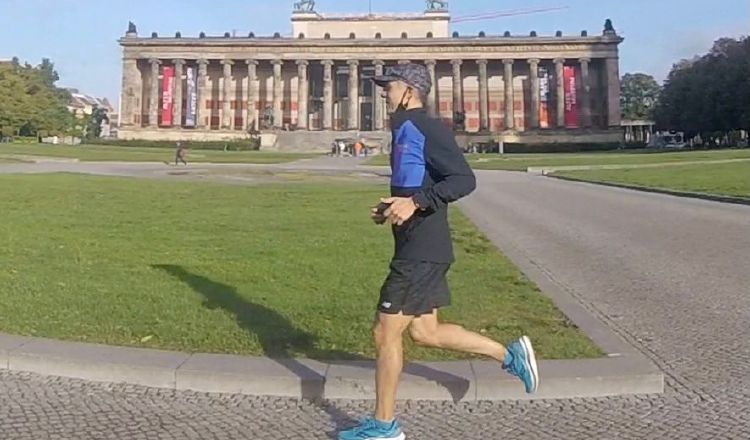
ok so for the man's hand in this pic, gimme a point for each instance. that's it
(401, 209)
(377, 215)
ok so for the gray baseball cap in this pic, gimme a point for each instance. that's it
(415, 75)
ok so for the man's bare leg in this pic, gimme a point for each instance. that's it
(388, 332)
(427, 330)
(521, 362)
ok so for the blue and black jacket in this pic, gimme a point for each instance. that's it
(427, 165)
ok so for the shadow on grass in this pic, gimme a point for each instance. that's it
(280, 340)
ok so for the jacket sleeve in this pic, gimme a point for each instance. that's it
(454, 178)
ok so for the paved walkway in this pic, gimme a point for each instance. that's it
(668, 274)
(226, 172)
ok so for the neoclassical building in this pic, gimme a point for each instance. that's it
(315, 83)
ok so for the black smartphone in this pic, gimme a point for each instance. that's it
(379, 210)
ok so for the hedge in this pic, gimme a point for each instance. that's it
(233, 145)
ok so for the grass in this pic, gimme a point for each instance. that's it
(520, 162)
(281, 270)
(10, 160)
(136, 154)
(731, 179)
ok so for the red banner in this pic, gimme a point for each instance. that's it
(167, 93)
(571, 98)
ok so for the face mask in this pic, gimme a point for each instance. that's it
(402, 105)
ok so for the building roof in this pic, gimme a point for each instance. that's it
(380, 16)
(296, 41)
(365, 28)
(82, 100)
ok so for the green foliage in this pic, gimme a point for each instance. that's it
(30, 101)
(525, 148)
(28, 140)
(638, 95)
(94, 123)
(709, 95)
(236, 145)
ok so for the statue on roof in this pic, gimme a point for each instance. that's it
(437, 5)
(304, 5)
(608, 28)
(131, 28)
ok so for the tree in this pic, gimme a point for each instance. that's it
(638, 95)
(709, 95)
(94, 122)
(48, 72)
(30, 100)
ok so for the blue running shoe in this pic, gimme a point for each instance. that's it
(520, 361)
(371, 429)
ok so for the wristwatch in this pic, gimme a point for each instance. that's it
(421, 207)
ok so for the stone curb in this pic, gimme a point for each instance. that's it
(459, 381)
(694, 195)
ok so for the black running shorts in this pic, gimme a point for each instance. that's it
(414, 288)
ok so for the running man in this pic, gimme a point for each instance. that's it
(428, 172)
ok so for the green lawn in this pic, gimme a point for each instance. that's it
(720, 178)
(520, 162)
(136, 154)
(10, 160)
(282, 270)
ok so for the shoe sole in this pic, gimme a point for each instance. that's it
(531, 360)
(401, 436)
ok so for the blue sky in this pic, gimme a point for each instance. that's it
(80, 36)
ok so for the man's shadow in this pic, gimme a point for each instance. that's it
(280, 340)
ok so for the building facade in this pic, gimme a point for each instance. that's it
(82, 104)
(317, 80)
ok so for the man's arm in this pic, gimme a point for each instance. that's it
(455, 180)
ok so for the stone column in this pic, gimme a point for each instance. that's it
(509, 107)
(379, 101)
(200, 106)
(132, 93)
(432, 104)
(483, 97)
(252, 94)
(226, 110)
(534, 71)
(612, 66)
(302, 89)
(353, 123)
(585, 93)
(458, 100)
(153, 101)
(278, 113)
(560, 87)
(177, 98)
(327, 94)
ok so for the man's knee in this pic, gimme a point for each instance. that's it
(423, 336)
(389, 332)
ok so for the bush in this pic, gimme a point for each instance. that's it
(25, 139)
(233, 145)
(564, 148)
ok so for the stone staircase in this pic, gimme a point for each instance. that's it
(318, 141)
